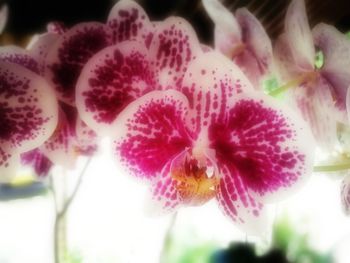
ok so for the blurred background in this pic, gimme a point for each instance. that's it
(107, 222)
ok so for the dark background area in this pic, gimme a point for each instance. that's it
(31, 16)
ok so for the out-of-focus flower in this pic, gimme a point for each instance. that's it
(319, 89)
(242, 38)
(3, 17)
(214, 137)
(71, 137)
(29, 112)
(119, 74)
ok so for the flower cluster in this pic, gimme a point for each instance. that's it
(192, 122)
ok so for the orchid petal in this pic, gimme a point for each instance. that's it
(237, 203)
(56, 27)
(173, 46)
(165, 196)
(209, 86)
(336, 69)
(28, 108)
(227, 30)
(9, 163)
(38, 161)
(316, 104)
(86, 139)
(348, 103)
(70, 53)
(129, 21)
(284, 59)
(112, 79)
(258, 44)
(345, 195)
(40, 47)
(19, 56)
(299, 36)
(3, 17)
(268, 145)
(60, 147)
(151, 132)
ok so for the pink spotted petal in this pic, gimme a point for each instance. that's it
(336, 69)
(19, 56)
(60, 148)
(174, 45)
(151, 132)
(299, 36)
(40, 46)
(129, 21)
(9, 163)
(210, 81)
(28, 108)
(345, 194)
(286, 66)
(70, 53)
(110, 81)
(227, 30)
(165, 197)
(3, 17)
(316, 104)
(39, 162)
(267, 144)
(258, 46)
(238, 204)
(87, 140)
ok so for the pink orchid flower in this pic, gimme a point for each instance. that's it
(214, 137)
(69, 139)
(319, 92)
(126, 21)
(242, 38)
(121, 73)
(28, 109)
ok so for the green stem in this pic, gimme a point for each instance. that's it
(332, 168)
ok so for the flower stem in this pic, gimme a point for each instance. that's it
(332, 168)
(293, 83)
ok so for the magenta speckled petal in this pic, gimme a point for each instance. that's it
(71, 52)
(266, 143)
(129, 21)
(151, 132)
(174, 45)
(86, 139)
(9, 163)
(28, 108)
(60, 147)
(236, 202)
(38, 161)
(19, 56)
(40, 46)
(209, 86)
(3, 17)
(227, 30)
(112, 79)
(316, 104)
(299, 35)
(165, 197)
(258, 44)
(336, 69)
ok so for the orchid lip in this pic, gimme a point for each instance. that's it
(196, 176)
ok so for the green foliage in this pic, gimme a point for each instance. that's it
(348, 34)
(296, 245)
